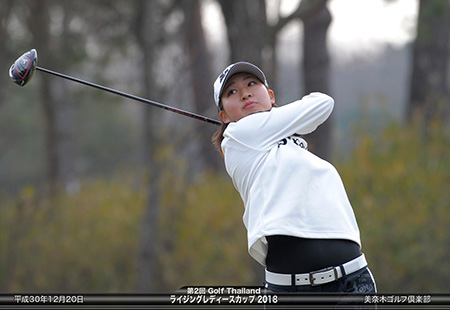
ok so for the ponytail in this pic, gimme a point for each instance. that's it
(217, 137)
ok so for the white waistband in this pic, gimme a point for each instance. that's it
(317, 277)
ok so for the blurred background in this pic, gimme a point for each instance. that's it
(102, 194)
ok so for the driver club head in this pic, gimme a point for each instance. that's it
(22, 70)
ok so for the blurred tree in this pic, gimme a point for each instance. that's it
(150, 32)
(429, 93)
(246, 24)
(316, 66)
(39, 28)
(45, 16)
(5, 11)
(252, 37)
(199, 66)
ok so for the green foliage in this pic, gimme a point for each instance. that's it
(82, 242)
(398, 186)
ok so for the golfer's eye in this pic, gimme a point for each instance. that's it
(232, 92)
(251, 83)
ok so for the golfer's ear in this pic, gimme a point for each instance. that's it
(224, 117)
(272, 96)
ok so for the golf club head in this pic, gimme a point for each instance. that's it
(22, 70)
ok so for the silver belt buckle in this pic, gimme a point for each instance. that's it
(312, 279)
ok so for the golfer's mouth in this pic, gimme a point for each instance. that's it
(250, 104)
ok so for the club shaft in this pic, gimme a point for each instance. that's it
(147, 101)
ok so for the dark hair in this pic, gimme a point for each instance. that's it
(217, 137)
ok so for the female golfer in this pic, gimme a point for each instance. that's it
(300, 223)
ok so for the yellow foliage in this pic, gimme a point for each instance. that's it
(87, 241)
(81, 242)
(208, 242)
(398, 184)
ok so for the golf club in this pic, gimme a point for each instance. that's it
(23, 69)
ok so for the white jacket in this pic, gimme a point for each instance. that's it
(286, 189)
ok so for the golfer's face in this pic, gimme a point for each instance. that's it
(243, 95)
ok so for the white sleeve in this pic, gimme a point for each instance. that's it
(261, 130)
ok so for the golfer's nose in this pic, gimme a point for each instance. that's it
(246, 95)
